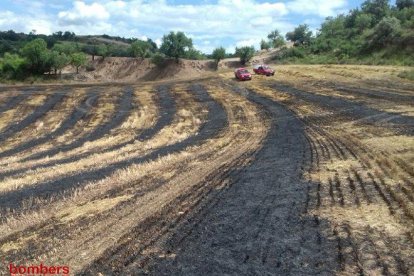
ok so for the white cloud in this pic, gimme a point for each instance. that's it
(158, 41)
(234, 20)
(82, 13)
(322, 8)
(25, 23)
(227, 23)
(40, 25)
(7, 17)
(246, 42)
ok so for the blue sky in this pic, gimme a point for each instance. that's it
(227, 23)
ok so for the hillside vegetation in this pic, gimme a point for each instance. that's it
(376, 33)
(36, 55)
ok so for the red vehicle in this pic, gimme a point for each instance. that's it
(263, 70)
(242, 74)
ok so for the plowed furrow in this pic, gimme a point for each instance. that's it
(186, 123)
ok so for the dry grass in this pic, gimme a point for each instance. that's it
(375, 216)
(22, 110)
(19, 243)
(184, 124)
(392, 144)
(100, 115)
(49, 122)
(90, 208)
(216, 152)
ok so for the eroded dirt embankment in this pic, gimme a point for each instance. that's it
(116, 69)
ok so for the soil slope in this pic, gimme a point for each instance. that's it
(118, 69)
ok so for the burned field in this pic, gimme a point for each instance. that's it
(307, 172)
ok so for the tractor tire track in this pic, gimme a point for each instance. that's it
(251, 229)
(351, 109)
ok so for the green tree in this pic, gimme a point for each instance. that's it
(152, 45)
(402, 4)
(276, 39)
(378, 8)
(300, 35)
(140, 48)
(175, 45)
(363, 21)
(58, 61)
(194, 54)
(36, 53)
(264, 45)
(385, 32)
(91, 49)
(245, 53)
(78, 60)
(12, 65)
(102, 51)
(66, 48)
(218, 54)
(6, 46)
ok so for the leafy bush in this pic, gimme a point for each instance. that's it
(140, 48)
(103, 51)
(294, 52)
(36, 54)
(376, 33)
(58, 61)
(194, 54)
(158, 59)
(264, 45)
(90, 68)
(387, 31)
(402, 4)
(12, 66)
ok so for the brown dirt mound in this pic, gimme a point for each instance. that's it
(133, 69)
